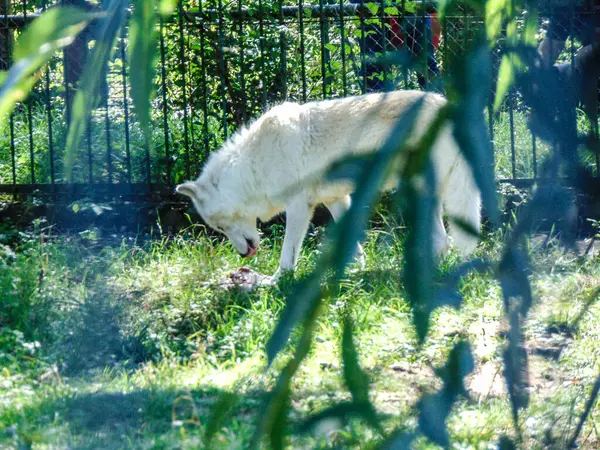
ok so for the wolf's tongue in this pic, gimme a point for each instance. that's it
(251, 252)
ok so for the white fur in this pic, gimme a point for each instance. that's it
(278, 163)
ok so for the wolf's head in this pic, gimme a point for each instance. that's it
(217, 209)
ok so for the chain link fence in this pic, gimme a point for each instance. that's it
(223, 63)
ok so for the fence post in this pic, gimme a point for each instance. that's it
(5, 35)
(302, 59)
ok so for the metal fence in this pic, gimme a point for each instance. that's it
(221, 64)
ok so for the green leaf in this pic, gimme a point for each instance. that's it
(495, 11)
(506, 78)
(376, 170)
(167, 7)
(472, 73)
(340, 413)
(434, 409)
(300, 304)
(391, 10)
(53, 30)
(220, 411)
(531, 27)
(372, 7)
(589, 405)
(143, 39)
(355, 378)
(106, 33)
(516, 291)
(417, 193)
(273, 417)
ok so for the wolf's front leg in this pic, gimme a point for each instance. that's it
(298, 214)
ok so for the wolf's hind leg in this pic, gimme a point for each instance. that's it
(298, 214)
(337, 210)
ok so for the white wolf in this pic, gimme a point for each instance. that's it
(278, 163)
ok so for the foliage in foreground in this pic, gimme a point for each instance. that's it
(309, 299)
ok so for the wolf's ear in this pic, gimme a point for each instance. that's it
(189, 188)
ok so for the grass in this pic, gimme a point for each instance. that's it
(119, 344)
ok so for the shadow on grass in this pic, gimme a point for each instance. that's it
(137, 419)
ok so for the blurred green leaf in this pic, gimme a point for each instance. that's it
(143, 39)
(107, 31)
(300, 303)
(355, 378)
(339, 413)
(167, 7)
(494, 15)
(220, 411)
(505, 80)
(372, 7)
(589, 405)
(376, 169)
(272, 419)
(473, 72)
(54, 29)
(417, 193)
(513, 275)
(434, 409)
(347, 232)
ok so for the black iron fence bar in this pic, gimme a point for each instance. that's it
(323, 48)
(193, 116)
(203, 80)
(13, 159)
(88, 130)
(343, 54)
(511, 118)
(49, 115)
(403, 25)
(165, 108)
(282, 52)
(363, 68)
(261, 43)
(109, 156)
(222, 66)
(242, 62)
(125, 107)
(302, 49)
(382, 24)
(30, 122)
(534, 154)
(186, 142)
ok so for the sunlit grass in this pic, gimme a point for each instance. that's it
(134, 349)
